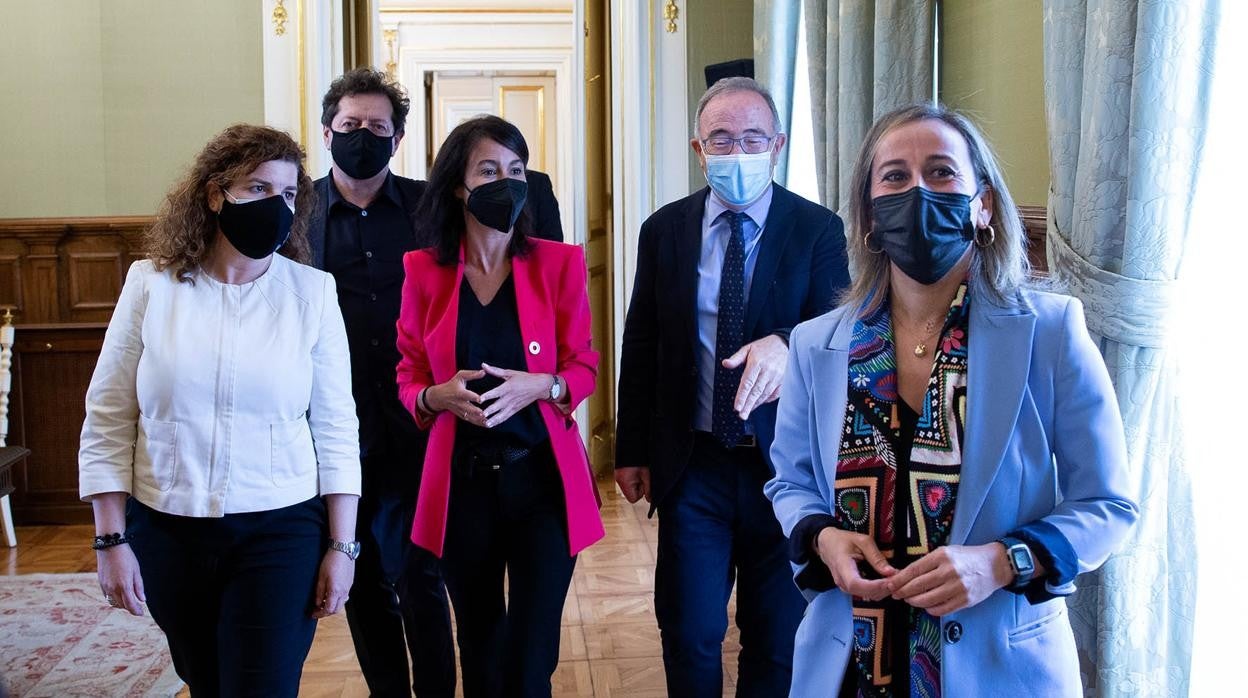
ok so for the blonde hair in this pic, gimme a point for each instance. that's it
(185, 226)
(998, 268)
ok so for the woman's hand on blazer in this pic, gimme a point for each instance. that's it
(454, 396)
(518, 390)
(953, 577)
(842, 550)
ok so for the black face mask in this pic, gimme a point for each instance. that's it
(360, 154)
(923, 232)
(256, 228)
(498, 204)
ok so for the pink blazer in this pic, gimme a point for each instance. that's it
(553, 306)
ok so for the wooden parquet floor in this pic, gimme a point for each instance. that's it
(610, 644)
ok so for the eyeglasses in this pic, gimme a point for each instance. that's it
(722, 145)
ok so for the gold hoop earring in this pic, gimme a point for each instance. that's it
(992, 236)
(866, 242)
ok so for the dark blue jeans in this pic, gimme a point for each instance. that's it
(717, 527)
(507, 520)
(233, 594)
(398, 605)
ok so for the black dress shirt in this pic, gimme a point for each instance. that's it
(364, 250)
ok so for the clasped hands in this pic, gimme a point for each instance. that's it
(948, 579)
(518, 390)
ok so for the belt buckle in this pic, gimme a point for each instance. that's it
(747, 441)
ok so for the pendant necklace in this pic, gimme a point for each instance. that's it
(920, 349)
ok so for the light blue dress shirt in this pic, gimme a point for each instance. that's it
(715, 233)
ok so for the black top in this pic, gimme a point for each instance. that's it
(816, 575)
(491, 334)
(364, 250)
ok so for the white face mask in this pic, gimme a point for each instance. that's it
(739, 178)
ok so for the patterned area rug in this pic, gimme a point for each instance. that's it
(57, 638)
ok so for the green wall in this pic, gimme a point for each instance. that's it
(107, 101)
(992, 69)
(718, 30)
(52, 121)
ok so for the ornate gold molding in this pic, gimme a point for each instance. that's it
(671, 13)
(478, 10)
(303, 78)
(392, 66)
(279, 18)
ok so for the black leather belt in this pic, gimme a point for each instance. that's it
(747, 441)
(492, 457)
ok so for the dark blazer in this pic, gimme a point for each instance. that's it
(410, 189)
(404, 434)
(543, 207)
(800, 270)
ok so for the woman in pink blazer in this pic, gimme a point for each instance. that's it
(494, 334)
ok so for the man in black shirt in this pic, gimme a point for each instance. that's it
(362, 226)
(360, 230)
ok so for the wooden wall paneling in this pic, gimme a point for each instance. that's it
(52, 367)
(41, 290)
(92, 275)
(10, 277)
(62, 278)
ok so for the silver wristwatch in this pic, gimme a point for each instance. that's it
(351, 550)
(556, 390)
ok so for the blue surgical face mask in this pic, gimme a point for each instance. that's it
(739, 178)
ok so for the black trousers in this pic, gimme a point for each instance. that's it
(717, 528)
(398, 605)
(510, 519)
(233, 594)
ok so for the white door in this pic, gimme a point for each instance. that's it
(526, 100)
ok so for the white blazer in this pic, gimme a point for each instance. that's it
(1044, 441)
(213, 399)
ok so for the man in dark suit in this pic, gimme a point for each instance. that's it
(543, 206)
(722, 277)
(360, 229)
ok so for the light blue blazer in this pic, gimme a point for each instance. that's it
(1044, 440)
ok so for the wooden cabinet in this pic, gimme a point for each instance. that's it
(61, 277)
(1035, 225)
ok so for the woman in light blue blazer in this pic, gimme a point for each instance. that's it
(949, 453)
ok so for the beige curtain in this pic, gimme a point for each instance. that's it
(1127, 92)
(866, 58)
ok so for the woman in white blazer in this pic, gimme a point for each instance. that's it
(949, 453)
(220, 450)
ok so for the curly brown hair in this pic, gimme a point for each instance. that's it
(185, 226)
(366, 81)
